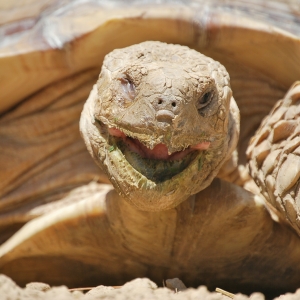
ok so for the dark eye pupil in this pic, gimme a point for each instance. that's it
(204, 101)
(205, 98)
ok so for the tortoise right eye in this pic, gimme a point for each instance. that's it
(128, 87)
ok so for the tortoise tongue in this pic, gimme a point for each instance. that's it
(159, 152)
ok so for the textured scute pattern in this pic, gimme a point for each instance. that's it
(274, 155)
(162, 108)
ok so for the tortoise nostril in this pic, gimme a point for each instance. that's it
(165, 103)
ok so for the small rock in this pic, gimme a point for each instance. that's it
(40, 286)
(257, 296)
(77, 295)
(139, 283)
(175, 284)
(99, 291)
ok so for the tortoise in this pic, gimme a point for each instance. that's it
(163, 125)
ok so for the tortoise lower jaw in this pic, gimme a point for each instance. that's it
(156, 170)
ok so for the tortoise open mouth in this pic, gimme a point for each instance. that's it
(156, 164)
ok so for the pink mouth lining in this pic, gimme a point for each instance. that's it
(159, 152)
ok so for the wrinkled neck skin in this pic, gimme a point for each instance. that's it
(160, 122)
(221, 232)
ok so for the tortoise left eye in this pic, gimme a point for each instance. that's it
(204, 100)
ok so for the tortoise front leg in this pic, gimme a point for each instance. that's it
(274, 154)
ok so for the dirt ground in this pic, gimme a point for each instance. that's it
(141, 288)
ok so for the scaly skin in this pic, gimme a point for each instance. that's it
(164, 102)
(274, 157)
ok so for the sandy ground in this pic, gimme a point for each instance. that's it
(136, 289)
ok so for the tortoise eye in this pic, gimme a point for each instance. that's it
(205, 99)
(128, 87)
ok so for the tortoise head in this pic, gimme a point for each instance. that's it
(160, 122)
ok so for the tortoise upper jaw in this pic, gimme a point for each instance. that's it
(159, 151)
